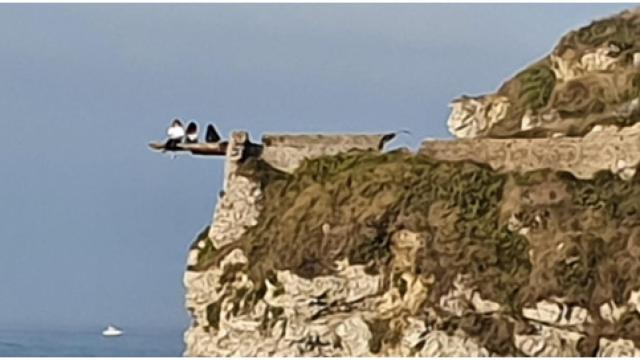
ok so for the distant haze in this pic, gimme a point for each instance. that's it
(94, 227)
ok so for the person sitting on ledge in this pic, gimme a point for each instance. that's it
(212, 135)
(192, 133)
(176, 134)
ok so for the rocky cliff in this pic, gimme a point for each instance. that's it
(521, 239)
(590, 78)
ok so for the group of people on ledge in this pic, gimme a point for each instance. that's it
(178, 134)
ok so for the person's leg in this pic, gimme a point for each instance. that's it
(171, 144)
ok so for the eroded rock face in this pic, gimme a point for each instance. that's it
(475, 247)
(609, 147)
(592, 77)
(367, 253)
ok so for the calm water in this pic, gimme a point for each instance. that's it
(90, 343)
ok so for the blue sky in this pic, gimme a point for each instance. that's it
(94, 228)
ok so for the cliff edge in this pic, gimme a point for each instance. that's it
(513, 240)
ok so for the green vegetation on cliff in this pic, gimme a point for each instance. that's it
(584, 234)
(590, 78)
(348, 206)
(553, 257)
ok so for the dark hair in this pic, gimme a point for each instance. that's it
(176, 122)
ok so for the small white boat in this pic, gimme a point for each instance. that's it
(112, 331)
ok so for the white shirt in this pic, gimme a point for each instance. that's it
(175, 132)
(192, 137)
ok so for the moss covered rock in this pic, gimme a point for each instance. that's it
(517, 240)
(590, 78)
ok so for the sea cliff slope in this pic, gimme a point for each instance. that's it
(522, 237)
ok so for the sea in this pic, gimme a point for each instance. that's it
(90, 343)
